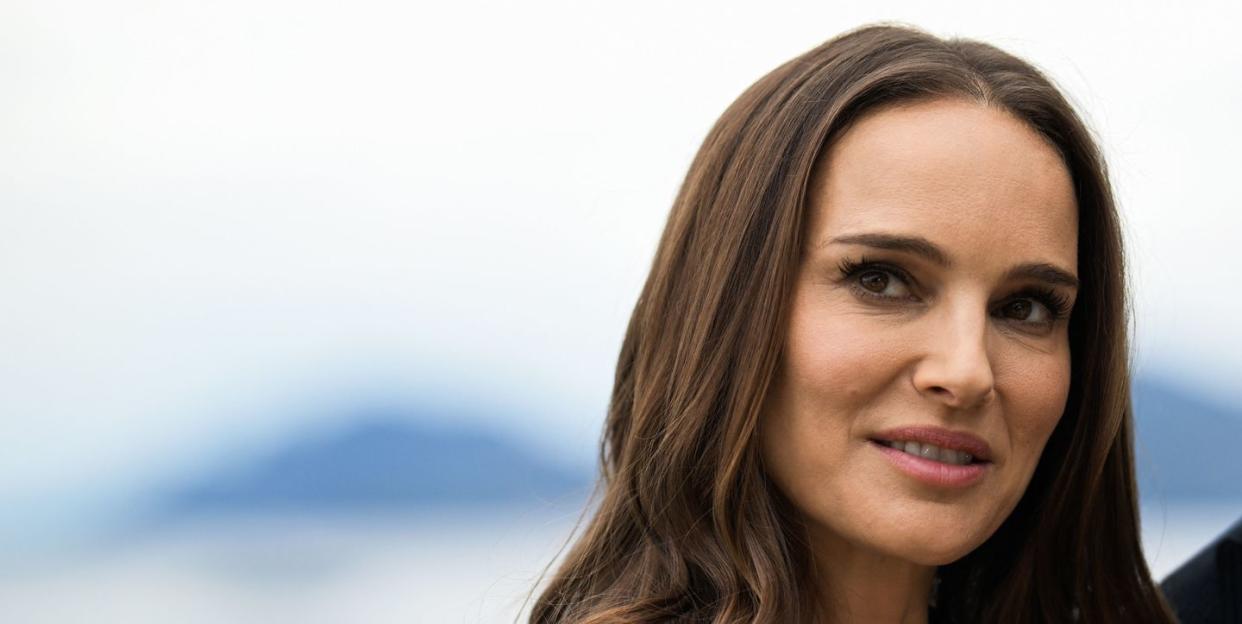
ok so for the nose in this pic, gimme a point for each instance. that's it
(956, 369)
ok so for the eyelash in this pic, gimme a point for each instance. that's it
(1058, 305)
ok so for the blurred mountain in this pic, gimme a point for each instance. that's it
(1187, 444)
(394, 462)
(381, 464)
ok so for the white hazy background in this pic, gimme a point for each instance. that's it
(213, 214)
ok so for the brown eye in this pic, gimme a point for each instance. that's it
(875, 281)
(1018, 310)
(879, 282)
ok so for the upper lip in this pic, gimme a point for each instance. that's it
(943, 438)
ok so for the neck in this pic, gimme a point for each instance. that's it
(861, 585)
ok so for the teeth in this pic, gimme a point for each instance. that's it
(928, 451)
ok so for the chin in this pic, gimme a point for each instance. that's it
(936, 554)
(933, 541)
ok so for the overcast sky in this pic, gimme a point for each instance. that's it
(221, 220)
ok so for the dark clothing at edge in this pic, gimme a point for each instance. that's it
(1208, 588)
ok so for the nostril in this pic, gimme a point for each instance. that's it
(962, 397)
(955, 386)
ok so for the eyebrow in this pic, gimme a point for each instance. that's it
(919, 246)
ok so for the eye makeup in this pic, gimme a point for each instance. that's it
(1057, 305)
(851, 270)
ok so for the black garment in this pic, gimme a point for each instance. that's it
(1208, 588)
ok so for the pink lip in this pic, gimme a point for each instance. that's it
(944, 438)
(933, 472)
(930, 471)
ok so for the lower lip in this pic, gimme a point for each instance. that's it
(933, 472)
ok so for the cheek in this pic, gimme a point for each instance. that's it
(1037, 391)
(809, 407)
(836, 369)
(838, 359)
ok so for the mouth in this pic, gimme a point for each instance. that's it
(934, 443)
(936, 456)
(931, 452)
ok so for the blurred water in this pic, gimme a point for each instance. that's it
(462, 566)
(459, 567)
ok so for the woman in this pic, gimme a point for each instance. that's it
(878, 372)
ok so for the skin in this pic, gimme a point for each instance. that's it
(962, 347)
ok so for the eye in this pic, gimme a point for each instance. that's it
(1026, 310)
(877, 280)
(1036, 306)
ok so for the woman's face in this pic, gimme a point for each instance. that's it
(926, 360)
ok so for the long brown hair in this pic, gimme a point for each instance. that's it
(688, 527)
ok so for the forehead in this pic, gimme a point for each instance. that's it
(973, 179)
